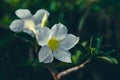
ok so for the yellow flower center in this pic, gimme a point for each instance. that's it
(53, 43)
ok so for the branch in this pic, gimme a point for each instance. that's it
(52, 71)
(58, 76)
(70, 70)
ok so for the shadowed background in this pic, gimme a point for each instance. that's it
(84, 18)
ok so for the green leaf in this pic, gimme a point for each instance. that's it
(94, 45)
(84, 43)
(92, 51)
(83, 49)
(76, 57)
(91, 42)
(108, 59)
(98, 43)
(109, 52)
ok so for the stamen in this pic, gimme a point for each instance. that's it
(44, 20)
(53, 43)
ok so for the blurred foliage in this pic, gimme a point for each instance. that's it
(85, 18)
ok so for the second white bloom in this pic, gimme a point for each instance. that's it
(55, 43)
(28, 23)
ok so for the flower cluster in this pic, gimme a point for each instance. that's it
(54, 42)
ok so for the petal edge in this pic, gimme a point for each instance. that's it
(44, 53)
(23, 13)
(43, 35)
(17, 25)
(59, 31)
(62, 55)
(37, 17)
(69, 41)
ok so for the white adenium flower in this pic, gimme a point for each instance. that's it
(55, 42)
(27, 22)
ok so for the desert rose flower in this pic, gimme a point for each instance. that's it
(55, 42)
(28, 22)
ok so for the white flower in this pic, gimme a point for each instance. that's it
(55, 43)
(27, 22)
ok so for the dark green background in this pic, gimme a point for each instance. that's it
(84, 18)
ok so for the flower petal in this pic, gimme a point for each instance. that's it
(37, 17)
(45, 54)
(69, 41)
(17, 25)
(30, 25)
(49, 59)
(29, 32)
(43, 35)
(59, 31)
(62, 55)
(23, 13)
(38, 26)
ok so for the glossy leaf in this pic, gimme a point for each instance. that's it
(108, 59)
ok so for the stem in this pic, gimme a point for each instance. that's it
(58, 76)
(70, 70)
(52, 71)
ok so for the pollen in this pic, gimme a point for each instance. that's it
(53, 43)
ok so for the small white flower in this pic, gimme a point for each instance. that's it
(27, 22)
(55, 43)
